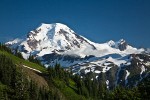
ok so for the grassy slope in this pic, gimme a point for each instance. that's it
(68, 91)
(24, 62)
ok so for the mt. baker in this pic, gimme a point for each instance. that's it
(59, 39)
(111, 62)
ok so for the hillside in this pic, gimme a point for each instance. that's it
(18, 61)
(27, 73)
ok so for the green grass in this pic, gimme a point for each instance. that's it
(68, 91)
(18, 61)
(72, 84)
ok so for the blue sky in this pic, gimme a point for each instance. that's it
(97, 20)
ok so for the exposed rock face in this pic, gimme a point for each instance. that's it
(122, 45)
(63, 59)
(127, 71)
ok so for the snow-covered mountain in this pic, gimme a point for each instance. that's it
(49, 38)
(57, 43)
(59, 39)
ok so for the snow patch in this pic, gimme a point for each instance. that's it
(126, 77)
(87, 71)
(107, 83)
(97, 71)
(32, 69)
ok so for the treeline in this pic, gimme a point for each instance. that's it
(18, 54)
(35, 60)
(96, 90)
(14, 84)
(5, 48)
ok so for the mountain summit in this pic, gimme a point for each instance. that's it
(48, 38)
(56, 36)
